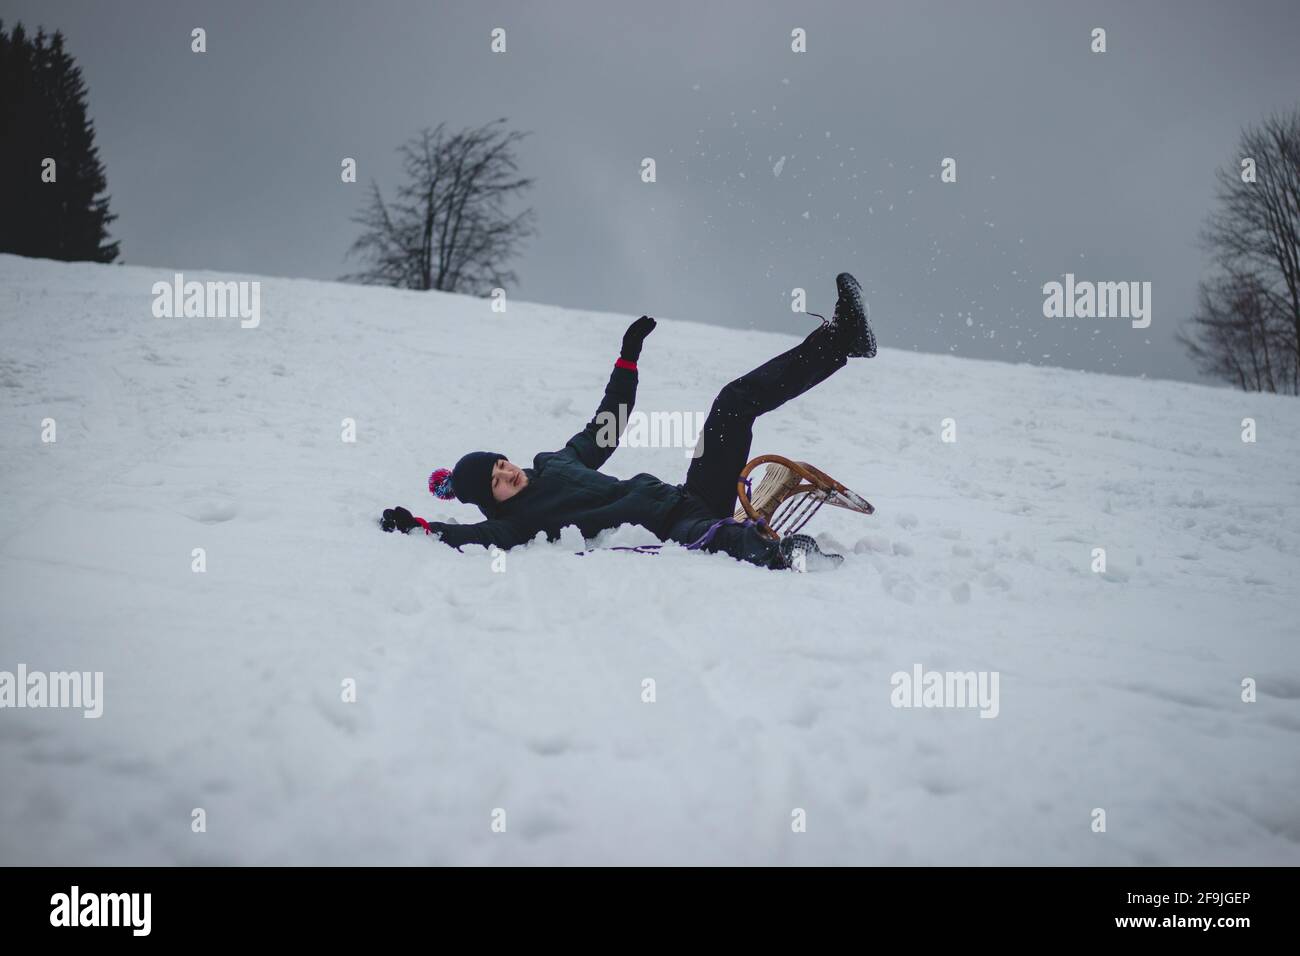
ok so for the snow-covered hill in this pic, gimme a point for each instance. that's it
(522, 690)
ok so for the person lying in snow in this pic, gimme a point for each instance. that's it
(565, 487)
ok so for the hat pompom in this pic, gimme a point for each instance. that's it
(440, 484)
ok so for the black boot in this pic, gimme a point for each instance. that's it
(799, 552)
(849, 323)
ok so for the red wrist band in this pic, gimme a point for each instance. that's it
(624, 363)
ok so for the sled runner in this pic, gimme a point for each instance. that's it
(789, 494)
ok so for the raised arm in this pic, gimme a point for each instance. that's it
(596, 442)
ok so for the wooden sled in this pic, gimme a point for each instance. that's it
(789, 494)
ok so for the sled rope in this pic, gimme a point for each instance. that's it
(705, 538)
(635, 549)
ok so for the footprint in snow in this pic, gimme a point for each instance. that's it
(406, 603)
(805, 714)
(346, 717)
(549, 746)
(215, 513)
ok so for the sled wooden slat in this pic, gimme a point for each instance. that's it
(790, 493)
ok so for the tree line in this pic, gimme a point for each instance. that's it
(451, 223)
(53, 203)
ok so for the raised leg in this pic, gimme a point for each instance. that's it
(728, 431)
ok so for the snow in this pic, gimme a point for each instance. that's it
(522, 690)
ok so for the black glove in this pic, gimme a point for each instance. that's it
(634, 336)
(398, 518)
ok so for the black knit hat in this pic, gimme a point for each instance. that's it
(471, 480)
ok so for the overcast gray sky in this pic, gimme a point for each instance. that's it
(1067, 161)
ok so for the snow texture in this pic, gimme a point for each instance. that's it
(522, 690)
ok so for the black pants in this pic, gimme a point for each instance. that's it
(728, 434)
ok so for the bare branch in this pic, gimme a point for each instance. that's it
(450, 227)
(1247, 328)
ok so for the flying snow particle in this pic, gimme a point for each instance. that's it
(780, 165)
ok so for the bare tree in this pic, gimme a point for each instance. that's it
(1247, 329)
(448, 228)
(1237, 336)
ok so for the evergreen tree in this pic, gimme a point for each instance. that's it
(43, 115)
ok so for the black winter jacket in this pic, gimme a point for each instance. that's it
(565, 488)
